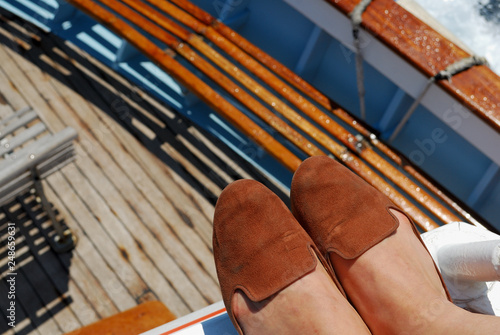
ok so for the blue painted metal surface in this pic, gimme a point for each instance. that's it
(295, 41)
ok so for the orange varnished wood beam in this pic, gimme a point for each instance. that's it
(149, 23)
(192, 82)
(348, 139)
(309, 109)
(477, 88)
(136, 320)
(208, 25)
(336, 149)
(227, 39)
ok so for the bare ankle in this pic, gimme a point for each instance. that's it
(313, 304)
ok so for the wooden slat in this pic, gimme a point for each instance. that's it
(329, 124)
(122, 181)
(134, 173)
(35, 153)
(134, 321)
(56, 268)
(427, 50)
(100, 281)
(237, 92)
(212, 28)
(96, 271)
(7, 119)
(22, 138)
(17, 123)
(202, 90)
(198, 212)
(29, 301)
(222, 36)
(39, 279)
(23, 323)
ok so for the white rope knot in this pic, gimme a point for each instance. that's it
(460, 66)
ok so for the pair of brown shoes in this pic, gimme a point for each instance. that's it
(260, 247)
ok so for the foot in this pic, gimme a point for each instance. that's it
(396, 289)
(271, 281)
(311, 305)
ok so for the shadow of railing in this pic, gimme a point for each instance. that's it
(34, 278)
(138, 113)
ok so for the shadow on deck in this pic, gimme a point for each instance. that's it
(152, 123)
(126, 254)
(39, 285)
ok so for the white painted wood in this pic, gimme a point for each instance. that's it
(34, 154)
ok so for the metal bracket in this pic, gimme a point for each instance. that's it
(360, 144)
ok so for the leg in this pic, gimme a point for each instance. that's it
(382, 265)
(405, 290)
(271, 274)
(311, 305)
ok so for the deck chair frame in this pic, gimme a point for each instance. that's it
(30, 153)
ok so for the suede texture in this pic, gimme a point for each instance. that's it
(259, 247)
(341, 212)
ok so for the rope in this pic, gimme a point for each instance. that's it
(450, 71)
(460, 66)
(356, 20)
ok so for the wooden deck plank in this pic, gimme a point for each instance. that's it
(33, 98)
(80, 301)
(150, 190)
(28, 299)
(92, 272)
(133, 170)
(23, 323)
(57, 268)
(122, 237)
(130, 262)
(135, 174)
(203, 223)
(143, 221)
(139, 205)
(168, 117)
(46, 276)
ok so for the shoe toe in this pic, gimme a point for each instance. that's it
(259, 247)
(340, 211)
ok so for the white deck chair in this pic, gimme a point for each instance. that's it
(29, 152)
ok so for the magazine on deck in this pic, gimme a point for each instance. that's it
(211, 320)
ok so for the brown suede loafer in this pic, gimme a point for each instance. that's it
(340, 211)
(259, 247)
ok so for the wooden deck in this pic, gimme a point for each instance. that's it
(139, 197)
